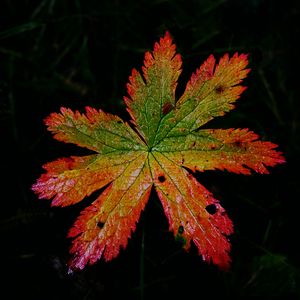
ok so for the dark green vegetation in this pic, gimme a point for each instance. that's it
(77, 53)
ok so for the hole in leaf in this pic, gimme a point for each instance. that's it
(211, 209)
(161, 178)
(180, 238)
(180, 229)
(100, 224)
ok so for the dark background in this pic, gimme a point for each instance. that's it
(77, 53)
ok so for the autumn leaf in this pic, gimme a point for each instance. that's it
(162, 149)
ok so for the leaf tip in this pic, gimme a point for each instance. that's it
(166, 39)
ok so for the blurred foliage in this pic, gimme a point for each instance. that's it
(77, 53)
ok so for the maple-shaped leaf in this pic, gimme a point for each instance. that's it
(164, 143)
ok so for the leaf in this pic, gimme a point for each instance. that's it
(164, 144)
(185, 201)
(106, 225)
(234, 150)
(150, 95)
(96, 130)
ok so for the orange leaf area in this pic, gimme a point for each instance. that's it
(185, 201)
(106, 225)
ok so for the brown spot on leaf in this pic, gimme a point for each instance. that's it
(220, 89)
(167, 108)
(240, 144)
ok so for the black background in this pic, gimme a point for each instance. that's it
(77, 53)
